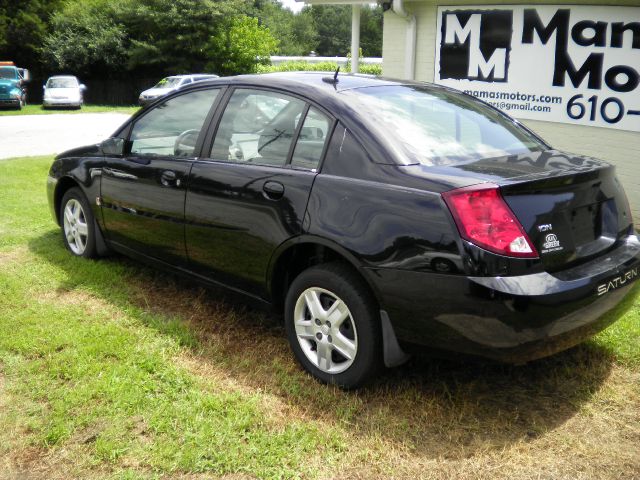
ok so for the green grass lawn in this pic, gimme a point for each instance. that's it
(109, 369)
(38, 110)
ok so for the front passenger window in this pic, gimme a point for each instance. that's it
(172, 128)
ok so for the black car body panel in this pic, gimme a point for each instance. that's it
(512, 318)
(232, 224)
(229, 205)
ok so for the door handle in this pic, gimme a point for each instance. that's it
(118, 173)
(273, 190)
(169, 179)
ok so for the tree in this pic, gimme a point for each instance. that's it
(173, 36)
(296, 33)
(371, 31)
(156, 37)
(23, 26)
(242, 47)
(333, 24)
(86, 42)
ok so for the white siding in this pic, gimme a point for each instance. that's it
(619, 147)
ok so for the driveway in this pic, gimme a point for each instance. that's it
(27, 135)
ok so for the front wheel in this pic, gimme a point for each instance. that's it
(78, 225)
(333, 326)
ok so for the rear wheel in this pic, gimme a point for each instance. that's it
(333, 326)
(78, 224)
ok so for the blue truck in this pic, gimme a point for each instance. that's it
(13, 85)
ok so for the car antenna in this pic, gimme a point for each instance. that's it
(333, 79)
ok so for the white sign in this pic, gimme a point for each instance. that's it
(557, 63)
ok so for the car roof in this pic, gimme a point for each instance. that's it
(63, 76)
(315, 85)
(320, 80)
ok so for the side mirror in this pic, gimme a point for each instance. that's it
(112, 146)
(83, 87)
(44, 87)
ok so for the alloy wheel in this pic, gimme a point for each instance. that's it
(76, 230)
(325, 330)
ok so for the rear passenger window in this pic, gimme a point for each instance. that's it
(345, 156)
(257, 127)
(312, 139)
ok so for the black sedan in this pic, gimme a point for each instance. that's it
(377, 214)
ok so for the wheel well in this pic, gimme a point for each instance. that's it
(64, 184)
(298, 258)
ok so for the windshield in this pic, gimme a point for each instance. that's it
(8, 72)
(431, 126)
(62, 83)
(169, 82)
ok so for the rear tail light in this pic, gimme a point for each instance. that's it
(485, 219)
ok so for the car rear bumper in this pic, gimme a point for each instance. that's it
(513, 319)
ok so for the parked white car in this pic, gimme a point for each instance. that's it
(169, 84)
(63, 91)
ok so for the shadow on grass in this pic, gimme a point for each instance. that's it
(438, 408)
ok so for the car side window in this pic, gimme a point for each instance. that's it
(172, 128)
(311, 141)
(258, 127)
(345, 155)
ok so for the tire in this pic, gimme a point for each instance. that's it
(78, 224)
(347, 353)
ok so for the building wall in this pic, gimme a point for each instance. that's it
(622, 148)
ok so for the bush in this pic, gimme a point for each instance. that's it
(302, 66)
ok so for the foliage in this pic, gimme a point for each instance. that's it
(102, 42)
(295, 32)
(173, 36)
(124, 39)
(23, 25)
(302, 66)
(242, 47)
(333, 23)
(157, 37)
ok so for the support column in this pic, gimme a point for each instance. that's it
(355, 38)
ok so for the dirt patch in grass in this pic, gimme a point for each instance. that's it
(13, 255)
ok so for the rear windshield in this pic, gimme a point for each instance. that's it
(62, 83)
(438, 127)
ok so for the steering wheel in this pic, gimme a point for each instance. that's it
(185, 143)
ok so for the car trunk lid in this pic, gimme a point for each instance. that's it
(570, 216)
(572, 208)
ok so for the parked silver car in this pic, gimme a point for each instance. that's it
(63, 91)
(169, 84)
